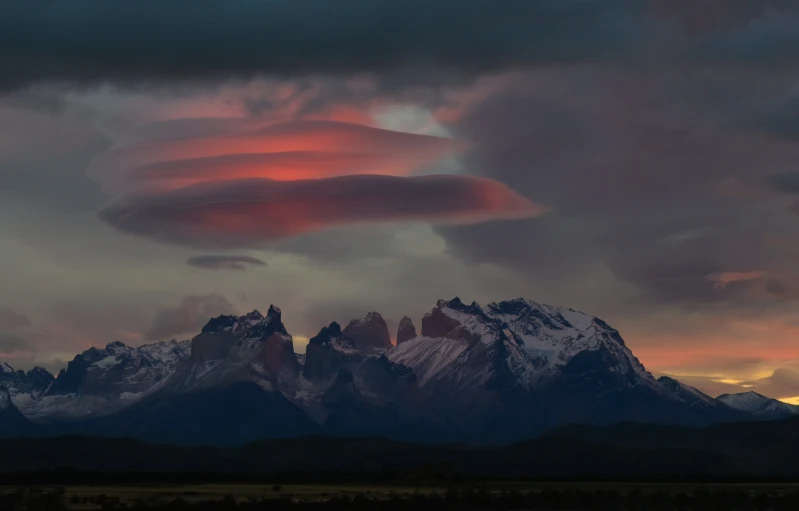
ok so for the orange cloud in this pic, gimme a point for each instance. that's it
(286, 150)
(719, 346)
(723, 279)
(279, 166)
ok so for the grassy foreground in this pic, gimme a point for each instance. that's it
(165, 496)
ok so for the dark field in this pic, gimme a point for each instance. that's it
(506, 496)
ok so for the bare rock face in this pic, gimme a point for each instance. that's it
(391, 382)
(369, 334)
(439, 324)
(329, 351)
(278, 358)
(5, 399)
(406, 331)
(342, 391)
(12, 422)
(214, 346)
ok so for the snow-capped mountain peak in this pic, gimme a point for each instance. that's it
(227, 323)
(251, 348)
(5, 368)
(454, 319)
(552, 333)
(530, 341)
(332, 337)
(264, 327)
(758, 404)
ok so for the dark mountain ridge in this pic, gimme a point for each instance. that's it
(733, 450)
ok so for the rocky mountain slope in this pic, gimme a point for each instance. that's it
(25, 386)
(506, 371)
(12, 422)
(731, 452)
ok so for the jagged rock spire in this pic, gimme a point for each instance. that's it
(406, 330)
(369, 334)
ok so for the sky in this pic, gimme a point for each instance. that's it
(633, 159)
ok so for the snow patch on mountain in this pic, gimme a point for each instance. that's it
(428, 356)
(107, 362)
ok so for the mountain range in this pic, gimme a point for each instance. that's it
(495, 374)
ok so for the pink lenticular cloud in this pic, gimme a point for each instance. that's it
(723, 279)
(279, 166)
(287, 150)
(251, 212)
(231, 183)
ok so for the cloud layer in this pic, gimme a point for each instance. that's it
(11, 344)
(91, 41)
(224, 262)
(187, 317)
(722, 279)
(251, 212)
(10, 319)
(408, 42)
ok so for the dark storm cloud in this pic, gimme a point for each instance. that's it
(11, 343)
(777, 117)
(11, 320)
(164, 41)
(637, 189)
(776, 287)
(43, 157)
(89, 41)
(188, 317)
(224, 262)
(786, 182)
(766, 37)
